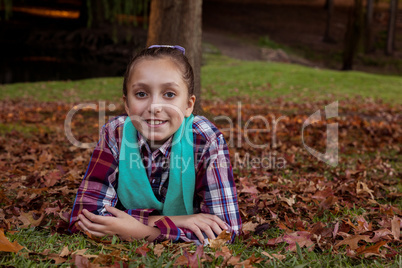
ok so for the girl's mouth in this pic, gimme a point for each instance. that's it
(155, 122)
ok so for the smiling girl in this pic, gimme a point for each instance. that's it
(158, 172)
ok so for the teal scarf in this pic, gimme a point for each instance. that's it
(134, 189)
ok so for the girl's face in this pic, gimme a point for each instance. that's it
(157, 99)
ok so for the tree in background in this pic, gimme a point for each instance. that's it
(393, 12)
(368, 42)
(178, 22)
(353, 34)
(329, 6)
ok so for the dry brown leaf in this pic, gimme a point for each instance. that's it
(381, 234)
(290, 201)
(361, 187)
(353, 241)
(249, 226)
(222, 239)
(64, 252)
(301, 237)
(7, 246)
(396, 227)
(225, 252)
(372, 250)
(28, 219)
(273, 255)
(158, 249)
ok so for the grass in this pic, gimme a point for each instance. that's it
(223, 77)
(38, 240)
(295, 82)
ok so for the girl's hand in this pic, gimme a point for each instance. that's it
(201, 223)
(123, 225)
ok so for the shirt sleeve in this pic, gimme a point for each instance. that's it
(215, 194)
(98, 187)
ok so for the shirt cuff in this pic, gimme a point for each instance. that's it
(140, 215)
(169, 230)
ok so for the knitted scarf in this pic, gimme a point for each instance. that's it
(134, 189)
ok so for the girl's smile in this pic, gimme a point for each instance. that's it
(157, 99)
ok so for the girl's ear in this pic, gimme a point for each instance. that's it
(126, 104)
(190, 106)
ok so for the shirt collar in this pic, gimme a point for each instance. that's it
(164, 149)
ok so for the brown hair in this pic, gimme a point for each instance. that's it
(174, 54)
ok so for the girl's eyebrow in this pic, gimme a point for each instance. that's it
(170, 84)
(139, 85)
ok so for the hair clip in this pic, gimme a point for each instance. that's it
(182, 49)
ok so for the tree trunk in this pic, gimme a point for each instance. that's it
(368, 44)
(352, 36)
(393, 11)
(329, 6)
(178, 22)
(92, 13)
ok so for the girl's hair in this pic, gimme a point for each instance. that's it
(176, 55)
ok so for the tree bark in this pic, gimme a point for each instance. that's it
(329, 6)
(368, 44)
(393, 12)
(352, 36)
(178, 22)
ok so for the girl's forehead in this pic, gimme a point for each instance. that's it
(156, 67)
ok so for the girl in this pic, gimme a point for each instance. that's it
(158, 172)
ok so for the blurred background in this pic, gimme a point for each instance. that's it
(46, 40)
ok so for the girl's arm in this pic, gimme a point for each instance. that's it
(123, 225)
(97, 189)
(216, 195)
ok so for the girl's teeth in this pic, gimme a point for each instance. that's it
(155, 122)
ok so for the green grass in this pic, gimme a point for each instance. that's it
(223, 77)
(227, 78)
(37, 240)
(70, 91)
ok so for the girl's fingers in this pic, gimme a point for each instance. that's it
(92, 217)
(116, 212)
(199, 235)
(216, 228)
(90, 225)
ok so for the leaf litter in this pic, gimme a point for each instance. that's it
(353, 208)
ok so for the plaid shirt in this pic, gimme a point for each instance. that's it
(215, 190)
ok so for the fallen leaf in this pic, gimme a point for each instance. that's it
(7, 246)
(301, 237)
(290, 201)
(158, 249)
(225, 252)
(396, 227)
(193, 259)
(143, 250)
(249, 226)
(29, 220)
(372, 250)
(222, 239)
(353, 241)
(273, 255)
(381, 234)
(336, 228)
(361, 187)
(64, 252)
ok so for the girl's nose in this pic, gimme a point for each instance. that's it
(155, 108)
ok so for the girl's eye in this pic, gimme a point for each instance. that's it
(170, 94)
(141, 94)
